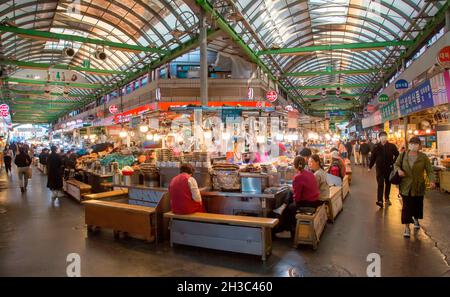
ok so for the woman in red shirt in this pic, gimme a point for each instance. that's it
(184, 193)
(305, 192)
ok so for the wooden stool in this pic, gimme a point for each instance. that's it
(310, 227)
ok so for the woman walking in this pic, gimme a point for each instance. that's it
(7, 158)
(23, 162)
(55, 171)
(411, 166)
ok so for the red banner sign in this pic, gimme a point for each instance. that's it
(125, 116)
(113, 109)
(271, 96)
(165, 105)
(444, 57)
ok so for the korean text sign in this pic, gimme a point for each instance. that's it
(419, 98)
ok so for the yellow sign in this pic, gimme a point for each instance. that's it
(386, 127)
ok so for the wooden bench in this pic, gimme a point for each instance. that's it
(310, 227)
(240, 234)
(334, 203)
(116, 194)
(345, 187)
(131, 220)
(77, 189)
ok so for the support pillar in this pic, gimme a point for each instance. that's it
(203, 60)
(447, 20)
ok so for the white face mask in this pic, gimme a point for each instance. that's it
(414, 147)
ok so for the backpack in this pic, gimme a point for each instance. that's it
(335, 170)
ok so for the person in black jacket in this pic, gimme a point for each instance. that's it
(364, 149)
(55, 171)
(383, 155)
(23, 162)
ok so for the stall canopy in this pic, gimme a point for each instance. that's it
(314, 49)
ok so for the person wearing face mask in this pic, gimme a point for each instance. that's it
(383, 155)
(411, 166)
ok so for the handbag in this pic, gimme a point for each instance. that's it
(394, 177)
(29, 173)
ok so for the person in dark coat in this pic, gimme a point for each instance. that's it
(55, 173)
(364, 149)
(383, 155)
(349, 148)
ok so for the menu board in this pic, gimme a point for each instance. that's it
(416, 99)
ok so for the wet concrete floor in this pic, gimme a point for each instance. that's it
(36, 235)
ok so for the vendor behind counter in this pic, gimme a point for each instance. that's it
(184, 193)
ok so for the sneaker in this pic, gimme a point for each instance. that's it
(407, 232)
(280, 209)
(284, 234)
(54, 194)
(380, 204)
(416, 224)
(388, 202)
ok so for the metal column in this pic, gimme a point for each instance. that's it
(447, 20)
(203, 60)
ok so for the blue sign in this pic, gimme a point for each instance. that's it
(336, 113)
(231, 114)
(401, 84)
(419, 98)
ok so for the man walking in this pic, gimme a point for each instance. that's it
(364, 149)
(383, 155)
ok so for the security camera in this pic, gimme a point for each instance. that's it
(100, 54)
(69, 52)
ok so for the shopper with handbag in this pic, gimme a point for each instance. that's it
(411, 166)
(55, 171)
(23, 162)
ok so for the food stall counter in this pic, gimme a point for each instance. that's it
(238, 203)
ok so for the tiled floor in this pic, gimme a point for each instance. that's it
(36, 236)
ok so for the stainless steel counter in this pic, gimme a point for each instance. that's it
(233, 203)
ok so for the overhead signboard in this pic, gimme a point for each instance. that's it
(383, 98)
(113, 109)
(125, 116)
(230, 114)
(389, 111)
(250, 94)
(419, 98)
(271, 96)
(401, 84)
(443, 57)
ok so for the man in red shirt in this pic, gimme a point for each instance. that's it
(305, 194)
(184, 193)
